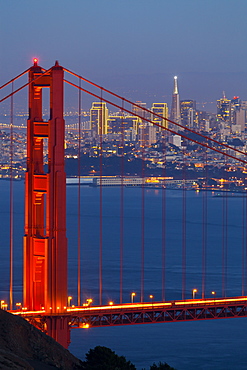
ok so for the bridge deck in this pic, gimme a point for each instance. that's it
(143, 313)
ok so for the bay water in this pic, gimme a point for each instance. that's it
(209, 344)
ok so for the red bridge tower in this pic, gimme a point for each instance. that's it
(45, 242)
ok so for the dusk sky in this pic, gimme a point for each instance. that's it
(134, 47)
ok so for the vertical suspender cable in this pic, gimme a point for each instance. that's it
(79, 200)
(245, 264)
(11, 204)
(184, 231)
(122, 207)
(204, 226)
(143, 213)
(243, 244)
(224, 241)
(223, 245)
(100, 190)
(163, 227)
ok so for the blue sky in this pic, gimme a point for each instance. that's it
(134, 47)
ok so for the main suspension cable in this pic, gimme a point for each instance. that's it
(14, 79)
(25, 85)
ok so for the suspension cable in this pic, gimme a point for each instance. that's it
(163, 226)
(122, 205)
(100, 128)
(79, 202)
(204, 225)
(184, 228)
(14, 79)
(142, 141)
(25, 85)
(11, 203)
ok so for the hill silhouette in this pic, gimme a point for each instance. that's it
(22, 346)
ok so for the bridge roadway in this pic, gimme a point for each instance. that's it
(142, 313)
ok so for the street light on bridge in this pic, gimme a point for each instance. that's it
(69, 300)
(194, 291)
(132, 297)
(89, 301)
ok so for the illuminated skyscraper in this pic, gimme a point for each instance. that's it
(224, 109)
(162, 110)
(175, 109)
(99, 118)
(188, 113)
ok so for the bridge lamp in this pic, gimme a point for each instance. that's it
(84, 326)
(69, 300)
(151, 297)
(2, 303)
(18, 305)
(194, 291)
(132, 297)
(213, 293)
(89, 301)
(110, 303)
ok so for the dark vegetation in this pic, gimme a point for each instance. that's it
(115, 166)
(103, 358)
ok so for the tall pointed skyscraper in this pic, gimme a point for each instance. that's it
(175, 109)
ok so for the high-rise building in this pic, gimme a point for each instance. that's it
(162, 110)
(137, 109)
(175, 109)
(99, 118)
(235, 107)
(224, 109)
(118, 124)
(188, 113)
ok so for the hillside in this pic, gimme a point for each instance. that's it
(22, 346)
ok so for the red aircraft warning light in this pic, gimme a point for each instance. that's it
(35, 61)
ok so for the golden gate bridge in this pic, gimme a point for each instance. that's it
(46, 303)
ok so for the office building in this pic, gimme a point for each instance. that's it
(224, 109)
(162, 110)
(99, 119)
(188, 113)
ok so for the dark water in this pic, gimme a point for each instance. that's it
(209, 344)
